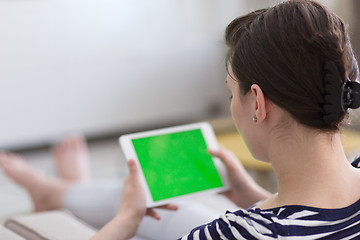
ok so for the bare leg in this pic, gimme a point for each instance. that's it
(94, 204)
(46, 193)
(71, 158)
(71, 163)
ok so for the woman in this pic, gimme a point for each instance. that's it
(292, 76)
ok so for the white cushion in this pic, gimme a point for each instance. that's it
(8, 235)
(55, 225)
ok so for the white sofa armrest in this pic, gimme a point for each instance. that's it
(9, 235)
(55, 225)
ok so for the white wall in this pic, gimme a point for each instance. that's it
(97, 66)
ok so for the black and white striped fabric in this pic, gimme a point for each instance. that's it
(288, 222)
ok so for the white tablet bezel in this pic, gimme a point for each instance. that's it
(210, 140)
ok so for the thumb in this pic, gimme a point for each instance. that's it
(225, 155)
(228, 158)
(134, 171)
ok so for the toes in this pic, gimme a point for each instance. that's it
(78, 141)
(3, 159)
(59, 147)
(14, 166)
(2, 156)
(75, 140)
(7, 158)
(71, 158)
(74, 143)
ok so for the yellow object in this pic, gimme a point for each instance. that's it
(234, 142)
(351, 141)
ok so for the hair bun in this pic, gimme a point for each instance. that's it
(332, 96)
(339, 95)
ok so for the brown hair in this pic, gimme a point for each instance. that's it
(283, 49)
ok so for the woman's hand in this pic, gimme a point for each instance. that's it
(132, 205)
(132, 209)
(244, 190)
(132, 202)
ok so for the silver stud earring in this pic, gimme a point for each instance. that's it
(255, 119)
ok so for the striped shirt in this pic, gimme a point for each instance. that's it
(288, 222)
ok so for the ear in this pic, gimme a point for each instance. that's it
(260, 107)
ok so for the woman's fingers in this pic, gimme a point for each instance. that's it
(172, 207)
(134, 171)
(151, 212)
(134, 180)
(229, 194)
(228, 157)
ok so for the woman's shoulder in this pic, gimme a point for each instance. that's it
(248, 224)
(292, 220)
(260, 222)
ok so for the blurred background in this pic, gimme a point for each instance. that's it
(108, 67)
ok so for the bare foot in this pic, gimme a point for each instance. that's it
(46, 194)
(72, 159)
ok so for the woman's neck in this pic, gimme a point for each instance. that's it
(312, 169)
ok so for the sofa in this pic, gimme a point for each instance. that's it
(54, 225)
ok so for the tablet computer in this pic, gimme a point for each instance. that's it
(174, 162)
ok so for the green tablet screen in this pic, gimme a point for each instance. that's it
(175, 164)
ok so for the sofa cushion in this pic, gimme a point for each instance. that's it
(9, 235)
(55, 225)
